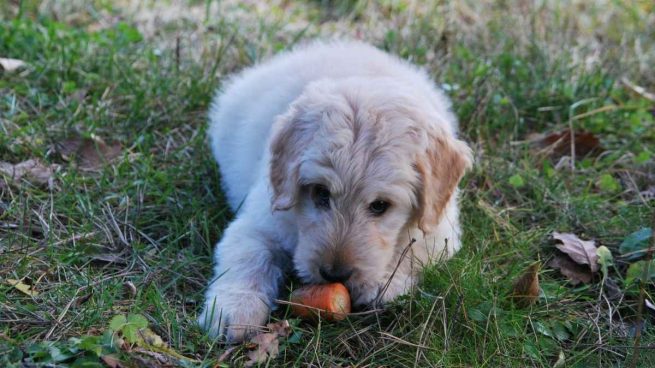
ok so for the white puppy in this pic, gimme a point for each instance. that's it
(334, 157)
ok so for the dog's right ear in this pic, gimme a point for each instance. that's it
(290, 137)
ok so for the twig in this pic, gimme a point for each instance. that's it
(378, 298)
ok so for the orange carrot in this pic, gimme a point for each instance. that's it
(333, 301)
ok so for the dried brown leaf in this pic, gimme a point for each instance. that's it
(82, 299)
(226, 354)
(90, 154)
(267, 344)
(10, 65)
(574, 272)
(580, 251)
(32, 170)
(526, 288)
(130, 288)
(558, 144)
(281, 328)
(111, 361)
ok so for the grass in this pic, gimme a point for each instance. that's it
(135, 236)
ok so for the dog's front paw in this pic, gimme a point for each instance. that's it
(234, 315)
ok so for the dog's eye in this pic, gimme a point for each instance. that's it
(321, 196)
(378, 207)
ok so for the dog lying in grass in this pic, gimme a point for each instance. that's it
(342, 164)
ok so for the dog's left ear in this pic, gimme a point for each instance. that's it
(289, 139)
(441, 168)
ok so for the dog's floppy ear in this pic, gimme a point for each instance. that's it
(289, 139)
(441, 168)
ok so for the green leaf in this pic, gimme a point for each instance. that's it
(138, 320)
(607, 183)
(516, 181)
(531, 350)
(131, 333)
(643, 157)
(636, 244)
(543, 329)
(129, 326)
(636, 272)
(509, 329)
(117, 322)
(57, 355)
(560, 331)
(604, 258)
(91, 344)
(477, 315)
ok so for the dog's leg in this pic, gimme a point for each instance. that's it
(249, 269)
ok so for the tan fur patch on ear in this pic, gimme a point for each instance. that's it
(291, 136)
(281, 156)
(441, 168)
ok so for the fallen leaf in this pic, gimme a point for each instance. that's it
(526, 288)
(111, 361)
(574, 272)
(22, 287)
(558, 144)
(10, 65)
(82, 299)
(226, 354)
(581, 251)
(281, 328)
(90, 154)
(130, 288)
(267, 344)
(32, 170)
(636, 244)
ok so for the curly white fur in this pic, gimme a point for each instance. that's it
(363, 125)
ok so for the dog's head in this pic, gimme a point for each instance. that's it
(360, 161)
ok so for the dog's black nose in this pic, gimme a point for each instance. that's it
(337, 274)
